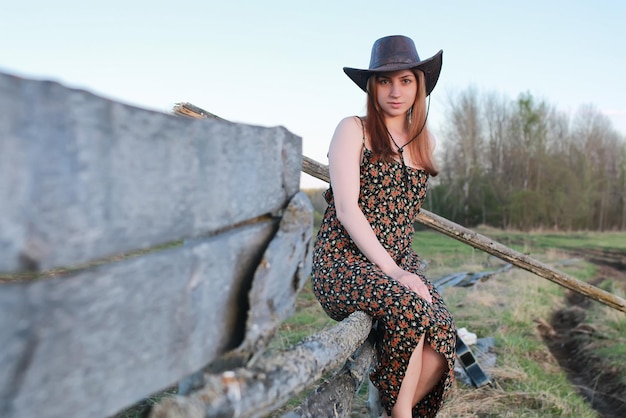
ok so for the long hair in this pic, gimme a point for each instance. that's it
(421, 148)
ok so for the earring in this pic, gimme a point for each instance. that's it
(409, 115)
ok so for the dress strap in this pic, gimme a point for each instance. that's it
(363, 146)
(362, 122)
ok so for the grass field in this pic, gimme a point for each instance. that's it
(514, 308)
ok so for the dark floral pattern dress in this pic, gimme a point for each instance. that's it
(344, 280)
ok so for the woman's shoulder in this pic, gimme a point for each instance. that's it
(351, 127)
(352, 122)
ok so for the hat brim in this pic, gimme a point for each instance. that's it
(430, 66)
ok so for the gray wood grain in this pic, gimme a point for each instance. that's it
(91, 344)
(83, 177)
(281, 274)
(334, 397)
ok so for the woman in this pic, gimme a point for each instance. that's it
(363, 260)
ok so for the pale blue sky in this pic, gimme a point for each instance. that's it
(280, 62)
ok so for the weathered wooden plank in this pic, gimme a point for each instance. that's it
(90, 344)
(275, 286)
(315, 169)
(494, 248)
(280, 275)
(334, 397)
(102, 177)
(518, 259)
(192, 111)
(271, 380)
(374, 407)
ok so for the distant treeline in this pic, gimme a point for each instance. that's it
(523, 164)
(520, 163)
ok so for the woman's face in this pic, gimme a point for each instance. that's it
(395, 92)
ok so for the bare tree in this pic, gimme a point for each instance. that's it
(464, 144)
(524, 164)
(497, 111)
(599, 152)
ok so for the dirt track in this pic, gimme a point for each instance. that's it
(573, 342)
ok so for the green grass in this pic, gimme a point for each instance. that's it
(538, 240)
(140, 409)
(308, 319)
(444, 254)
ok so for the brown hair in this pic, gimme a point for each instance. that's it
(421, 148)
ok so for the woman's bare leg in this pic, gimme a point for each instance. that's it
(425, 370)
(404, 402)
(433, 367)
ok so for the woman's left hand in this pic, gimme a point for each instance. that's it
(414, 283)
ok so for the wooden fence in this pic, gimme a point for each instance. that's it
(136, 248)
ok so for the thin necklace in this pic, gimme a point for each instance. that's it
(401, 148)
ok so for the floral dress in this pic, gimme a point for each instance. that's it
(344, 280)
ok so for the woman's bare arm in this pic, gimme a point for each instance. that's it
(344, 157)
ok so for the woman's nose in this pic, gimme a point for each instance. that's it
(394, 91)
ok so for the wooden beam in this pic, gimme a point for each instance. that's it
(494, 248)
(270, 381)
(334, 397)
(192, 111)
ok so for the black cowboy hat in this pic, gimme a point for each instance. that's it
(393, 53)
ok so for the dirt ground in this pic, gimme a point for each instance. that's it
(572, 341)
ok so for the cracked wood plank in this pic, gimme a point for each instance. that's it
(280, 275)
(105, 178)
(100, 340)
